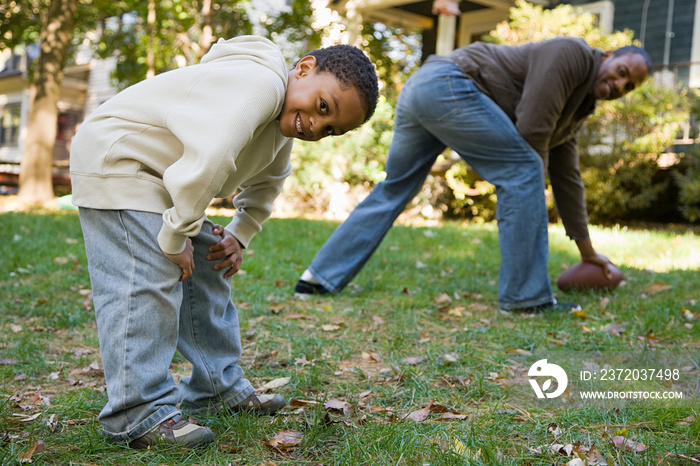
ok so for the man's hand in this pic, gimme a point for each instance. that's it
(185, 260)
(588, 254)
(446, 7)
(228, 249)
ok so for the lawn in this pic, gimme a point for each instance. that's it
(412, 364)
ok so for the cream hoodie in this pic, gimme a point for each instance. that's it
(172, 143)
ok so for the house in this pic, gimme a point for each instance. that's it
(668, 29)
(85, 86)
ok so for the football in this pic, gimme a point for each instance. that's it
(587, 276)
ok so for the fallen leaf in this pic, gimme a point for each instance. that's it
(553, 429)
(336, 405)
(302, 361)
(443, 298)
(579, 313)
(657, 288)
(297, 402)
(285, 439)
(375, 357)
(519, 351)
(420, 415)
(413, 360)
(625, 444)
(297, 315)
(448, 416)
(330, 327)
(615, 328)
(26, 457)
(273, 384)
(561, 449)
(8, 361)
(377, 320)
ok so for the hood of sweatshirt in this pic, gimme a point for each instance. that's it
(254, 48)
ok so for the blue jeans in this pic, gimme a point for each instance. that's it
(440, 107)
(144, 314)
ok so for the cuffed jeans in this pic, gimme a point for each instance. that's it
(439, 107)
(144, 314)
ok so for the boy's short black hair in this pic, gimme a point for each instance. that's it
(351, 67)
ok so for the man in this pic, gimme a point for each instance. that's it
(511, 112)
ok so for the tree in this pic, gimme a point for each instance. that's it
(148, 38)
(35, 179)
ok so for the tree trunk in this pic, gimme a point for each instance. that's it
(36, 168)
(206, 31)
(151, 25)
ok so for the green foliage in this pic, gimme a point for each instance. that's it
(472, 196)
(356, 158)
(688, 183)
(621, 146)
(395, 52)
(530, 23)
(175, 37)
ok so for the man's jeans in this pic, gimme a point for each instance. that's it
(144, 314)
(441, 107)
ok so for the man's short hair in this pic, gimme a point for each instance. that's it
(633, 49)
(352, 67)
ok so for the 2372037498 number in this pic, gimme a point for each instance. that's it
(639, 374)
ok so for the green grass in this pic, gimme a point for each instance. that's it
(427, 292)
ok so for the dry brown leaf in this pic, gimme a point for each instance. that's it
(297, 402)
(615, 328)
(413, 360)
(297, 315)
(330, 327)
(657, 288)
(302, 361)
(26, 457)
(449, 416)
(420, 415)
(519, 351)
(443, 298)
(285, 439)
(377, 320)
(625, 444)
(273, 384)
(276, 308)
(336, 405)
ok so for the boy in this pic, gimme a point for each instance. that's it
(144, 167)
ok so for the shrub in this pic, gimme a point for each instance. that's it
(354, 159)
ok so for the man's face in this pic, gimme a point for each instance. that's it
(619, 75)
(318, 105)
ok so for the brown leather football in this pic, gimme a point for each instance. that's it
(587, 276)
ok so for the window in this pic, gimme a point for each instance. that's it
(9, 125)
(603, 12)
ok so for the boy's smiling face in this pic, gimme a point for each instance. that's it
(318, 105)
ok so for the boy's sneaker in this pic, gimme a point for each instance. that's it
(260, 404)
(554, 306)
(303, 289)
(175, 431)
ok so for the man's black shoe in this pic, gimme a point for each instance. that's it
(554, 306)
(304, 289)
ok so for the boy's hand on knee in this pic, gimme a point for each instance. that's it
(228, 249)
(185, 260)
